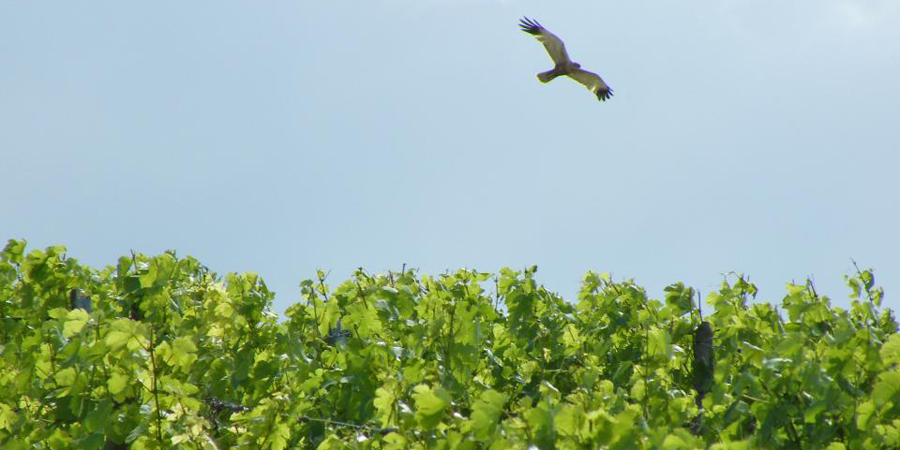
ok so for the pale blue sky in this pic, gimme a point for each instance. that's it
(285, 136)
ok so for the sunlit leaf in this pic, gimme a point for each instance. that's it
(66, 377)
(887, 389)
(117, 382)
(184, 352)
(76, 319)
(430, 404)
(279, 436)
(486, 412)
(890, 351)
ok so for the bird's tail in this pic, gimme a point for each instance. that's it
(548, 75)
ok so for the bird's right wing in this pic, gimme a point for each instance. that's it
(553, 44)
(593, 82)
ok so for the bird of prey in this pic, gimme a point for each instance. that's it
(564, 65)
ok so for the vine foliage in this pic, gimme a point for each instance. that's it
(159, 352)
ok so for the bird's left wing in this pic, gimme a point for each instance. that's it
(553, 44)
(593, 82)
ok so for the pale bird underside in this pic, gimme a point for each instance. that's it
(564, 65)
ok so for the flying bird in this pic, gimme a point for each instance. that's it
(564, 65)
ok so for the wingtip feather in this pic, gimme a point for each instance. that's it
(530, 26)
(604, 94)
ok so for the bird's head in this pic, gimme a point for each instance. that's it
(576, 65)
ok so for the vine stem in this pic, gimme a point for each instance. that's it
(153, 385)
(218, 404)
(859, 273)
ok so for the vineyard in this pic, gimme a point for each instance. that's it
(160, 352)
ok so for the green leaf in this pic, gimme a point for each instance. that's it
(602, 426)
(394, 441)
(679, 299)
(864, 414)
(868, 279)
(486, 413)
(279, 436)
(136, 434)
(148, 278)
(675, 442)
(117, 382)
(14, 251)
(7, 417)
(76, 319)
(124, 332)
(734, 445)
(568, 420)
(890, 351)
(96, 419)
(92, 441)
(224, 310)
(183, 389)
(659, 344)
(384, 404)
(331, 442)
(66, 377)
(184, 352)
(887, 389)
(638, 390)
(58, 313)
(572, 337)
(59, 440)
(430, 404)
(123, 266)
(117, 339)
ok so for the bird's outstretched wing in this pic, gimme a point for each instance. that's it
(593, 82)
(553, 44)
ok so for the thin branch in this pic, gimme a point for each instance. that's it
(302, 418)
(219, 405)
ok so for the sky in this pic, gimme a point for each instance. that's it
(281, 137)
